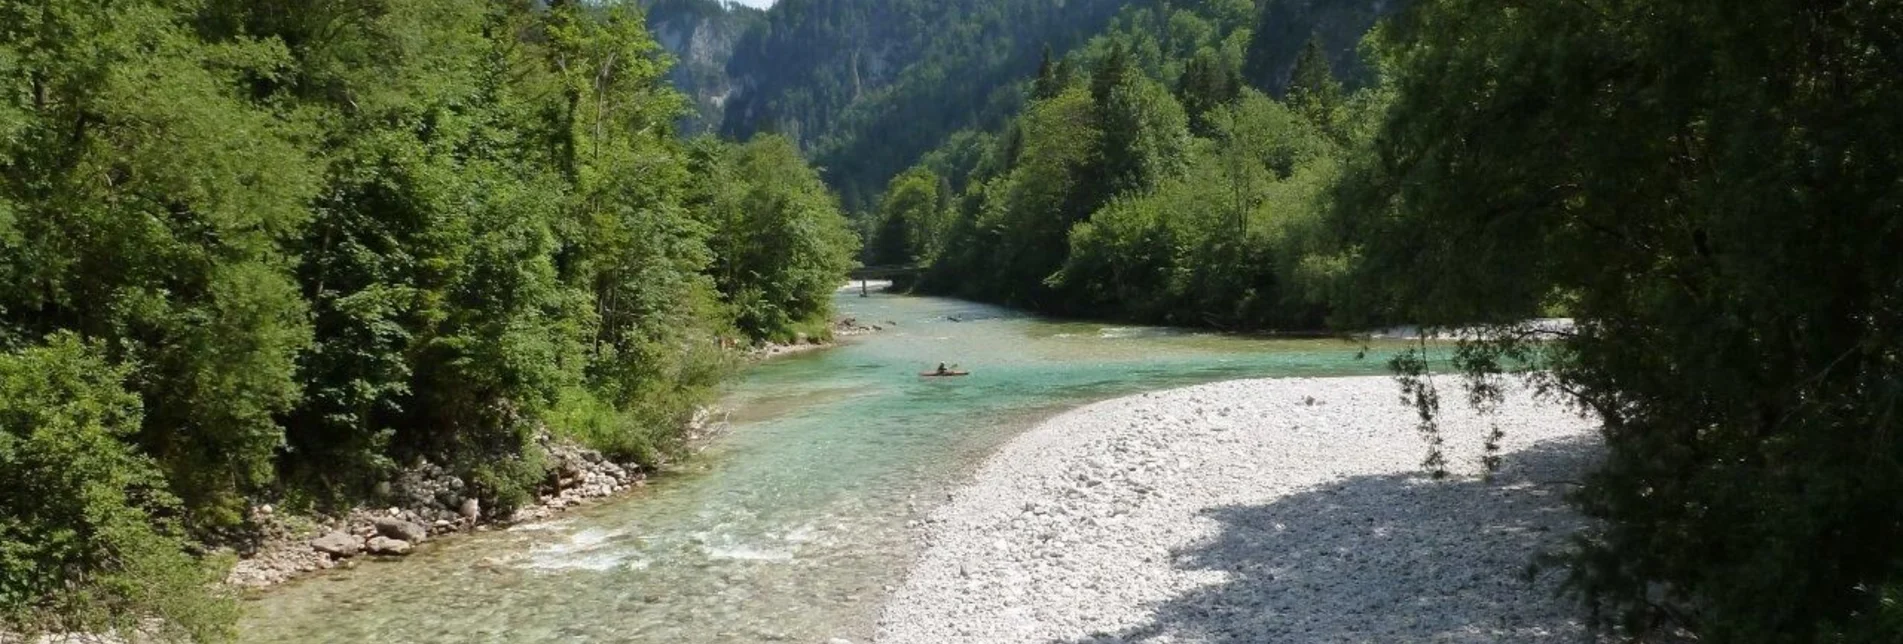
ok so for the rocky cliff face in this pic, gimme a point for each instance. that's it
(701, 35)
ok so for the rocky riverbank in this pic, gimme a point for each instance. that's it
(1253, 511)
(841, 328)
(429, 503)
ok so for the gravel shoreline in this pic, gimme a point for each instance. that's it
(1283, 510)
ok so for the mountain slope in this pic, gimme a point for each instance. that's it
(1284, 26)
(867, 87)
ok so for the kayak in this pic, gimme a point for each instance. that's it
(948, 374)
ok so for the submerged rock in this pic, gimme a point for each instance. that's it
(389, 547)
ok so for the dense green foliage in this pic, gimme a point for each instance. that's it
(81, 498)
(1147, 181)
(1712, 189)
(253, 249)
(144, 203)
(781, 243)
(912, 220)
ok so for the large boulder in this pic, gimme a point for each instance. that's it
(401, 530)
(388, 547)
(338, 544)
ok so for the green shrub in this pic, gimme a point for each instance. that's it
(89, 539)
(593, 423)
(644, 425)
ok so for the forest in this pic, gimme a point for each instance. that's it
(263, 250)
(1146, 179)
(257, 251)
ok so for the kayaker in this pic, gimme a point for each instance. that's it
(941, 369)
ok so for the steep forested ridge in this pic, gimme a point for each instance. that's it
(263, 251)
(867, 87)
(1284, 28)
(870, 86)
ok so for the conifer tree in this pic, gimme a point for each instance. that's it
(1313, 89)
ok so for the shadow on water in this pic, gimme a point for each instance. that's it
(1385, 559)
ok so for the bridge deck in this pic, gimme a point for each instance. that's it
(885, 272)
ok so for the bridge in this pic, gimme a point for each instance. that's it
(894, 272)
(901, 275)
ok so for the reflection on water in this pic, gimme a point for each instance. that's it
(792, 525)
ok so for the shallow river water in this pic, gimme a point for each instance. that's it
(792, 524)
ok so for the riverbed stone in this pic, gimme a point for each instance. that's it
(388, 547)
(402, 530)
(338, 544)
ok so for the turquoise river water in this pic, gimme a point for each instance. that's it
(791, 525)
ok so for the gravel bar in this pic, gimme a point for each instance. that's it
(1281, 510)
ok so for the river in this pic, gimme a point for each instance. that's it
(791, 525)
